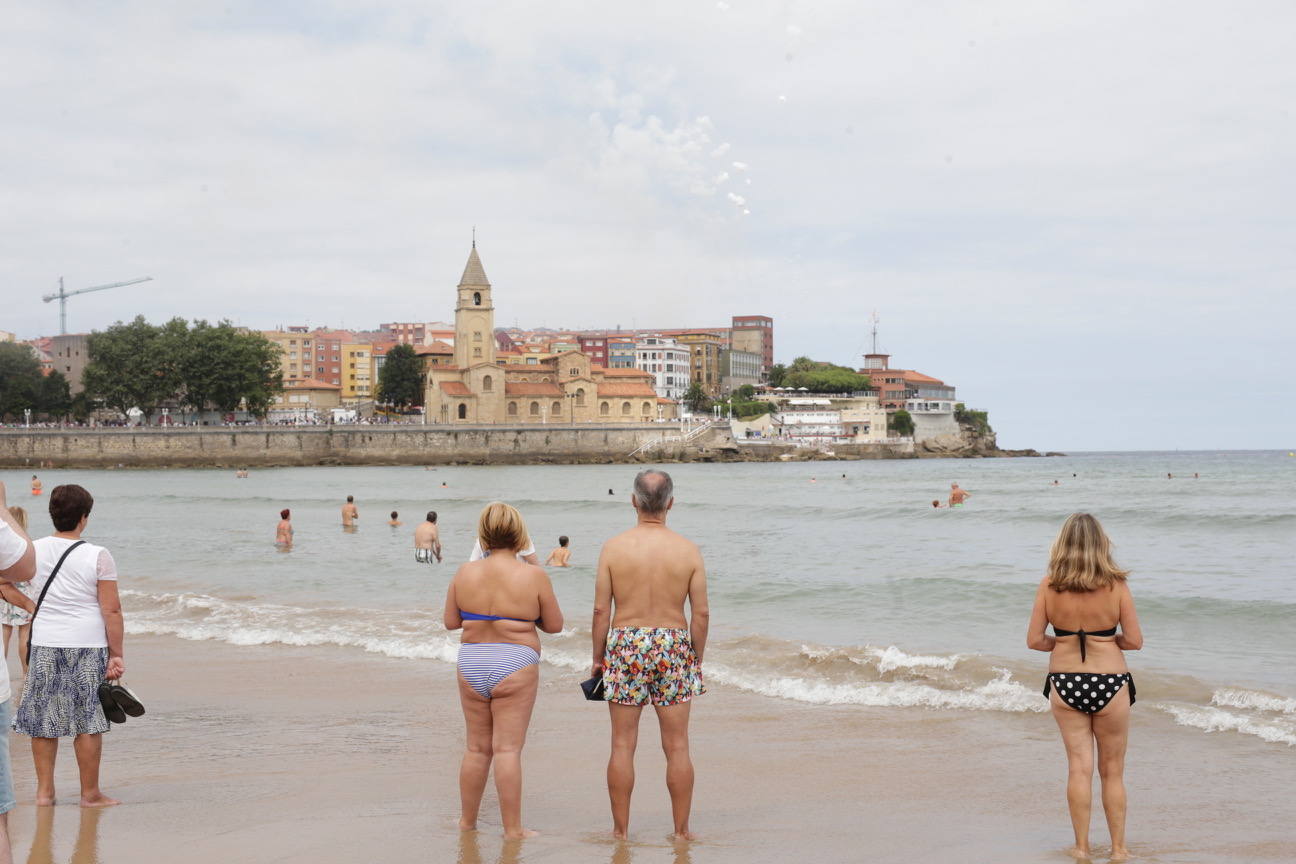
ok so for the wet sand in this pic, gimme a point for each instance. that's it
(280, 754)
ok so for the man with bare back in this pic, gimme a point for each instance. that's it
(652, 653)
(427, 541)
(349, 512)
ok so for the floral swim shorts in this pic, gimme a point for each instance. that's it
(651, 664)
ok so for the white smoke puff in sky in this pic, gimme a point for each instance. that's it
(721, 150)
(722, 177)
(740, 166)
(737, 199)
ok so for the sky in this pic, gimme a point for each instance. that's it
(1078, 214)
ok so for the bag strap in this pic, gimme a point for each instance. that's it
(48, 583)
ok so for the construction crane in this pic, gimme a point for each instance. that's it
(62, 296)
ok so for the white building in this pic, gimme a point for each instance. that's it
(825, 420)
(667, 361)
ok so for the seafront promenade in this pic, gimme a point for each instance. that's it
(220, 446)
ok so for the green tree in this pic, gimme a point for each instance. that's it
(978, 420)
(55, 396)
(901, 423)
(20, 380)
(744, 393)
(226, 368)
(135, 365)
(696, 399)
(827, 378)
(777, 373)
(400, 382)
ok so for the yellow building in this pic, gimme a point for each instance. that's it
(295, 347)
(478, 386)
(357, 371)
(705, 348)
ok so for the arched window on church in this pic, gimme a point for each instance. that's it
(488, 384)
(647, 408)
(463, 411)
(476, 352)
(580, 397)
(555, 409)
(573, 371)
(476, 298)
(512, 409)
(535, 409)
(625, 408)
(605, 409)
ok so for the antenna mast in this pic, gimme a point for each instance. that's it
(875, 323)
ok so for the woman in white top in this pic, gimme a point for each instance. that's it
(76, 643)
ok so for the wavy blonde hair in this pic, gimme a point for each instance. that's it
(500, 526)
(1081, 558)
(19, 515)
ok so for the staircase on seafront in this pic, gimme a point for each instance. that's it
(691, 435)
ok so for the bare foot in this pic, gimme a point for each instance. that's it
(45, 800)
(1079, 853)
(521, 834)
(99, 800)
(683, 835)
(1120, 855)
(465, 825)
(620, 835)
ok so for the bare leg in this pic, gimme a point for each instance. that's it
(1111, 729)
(674, 721)
(475, 767)
(8, 628)
(620, 772)
(24, 633)
(6, 855)
(1077, 737)
(89, 750)
(44, 752)
(510, 707)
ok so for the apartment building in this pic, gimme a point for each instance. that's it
(668, 362)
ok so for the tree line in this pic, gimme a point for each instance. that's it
(24, 388)
(818, 377)
(200, 366)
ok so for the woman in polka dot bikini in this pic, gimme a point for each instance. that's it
(1086, 598)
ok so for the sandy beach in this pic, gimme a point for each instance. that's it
(278, 754)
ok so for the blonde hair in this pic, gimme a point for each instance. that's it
(20, 516)
(1081, 559)
(500, 526)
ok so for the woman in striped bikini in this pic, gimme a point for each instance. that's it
(499, 601)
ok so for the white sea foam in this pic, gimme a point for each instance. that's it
(892, 658)
(1255, 700)
(1212, 719)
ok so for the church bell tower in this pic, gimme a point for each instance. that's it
(474, 316)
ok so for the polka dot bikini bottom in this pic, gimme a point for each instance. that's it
(1088, 692)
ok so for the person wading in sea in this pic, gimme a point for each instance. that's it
(560, 557)
(349, 512)
(958, 495)
(427, 540)
(652, 653)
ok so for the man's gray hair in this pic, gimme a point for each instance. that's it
(653, 489)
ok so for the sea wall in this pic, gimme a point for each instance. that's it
(337, 445)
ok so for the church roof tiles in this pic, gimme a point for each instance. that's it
(455, 388)
(474, 274)
(626, 388)
(531, 388)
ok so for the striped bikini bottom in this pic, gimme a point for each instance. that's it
(1086, 691)
(485, 664)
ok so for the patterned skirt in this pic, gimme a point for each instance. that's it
(61, 697)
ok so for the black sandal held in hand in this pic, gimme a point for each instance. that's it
(125, 699)
(111, 709)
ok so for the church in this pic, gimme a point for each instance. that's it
(472, 382)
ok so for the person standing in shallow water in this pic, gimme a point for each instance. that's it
(284, 531)
(349, 512)
(1087, 599)
(427, 540)
(651, 654)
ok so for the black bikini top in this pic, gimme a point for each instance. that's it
(1058, 631)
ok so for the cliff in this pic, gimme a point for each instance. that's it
(973, 441)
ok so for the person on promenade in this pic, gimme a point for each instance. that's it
(958, 495)
(1086, 597)
(427, 541)
(560, 557)
(76, 643)
(17, 564)
(349, 512)
(498, 601)
(284, 533)
(15, 612)
(650, 654)
(394, 521)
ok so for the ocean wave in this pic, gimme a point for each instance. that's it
(1210, 719)
(1255, 700)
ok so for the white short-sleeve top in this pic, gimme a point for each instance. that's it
(70, 616)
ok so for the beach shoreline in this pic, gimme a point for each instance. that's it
(286, 754)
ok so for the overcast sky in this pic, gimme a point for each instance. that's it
(1079, 214)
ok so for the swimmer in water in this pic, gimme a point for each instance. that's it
(609, 491)
(444, 484)
(427, 541)
(957, 495)
(936, 504)
(284, 533)
(35, 485)
(560, 557)
(349, 513)
(1056, 483)
(394, 521)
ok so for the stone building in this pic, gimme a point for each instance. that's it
(473, 384)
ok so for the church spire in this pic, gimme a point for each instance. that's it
(474, 274)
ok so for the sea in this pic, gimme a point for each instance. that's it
(830, 582)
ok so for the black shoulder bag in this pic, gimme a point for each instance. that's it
(41, 599)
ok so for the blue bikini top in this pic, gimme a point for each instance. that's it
(473, 616)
